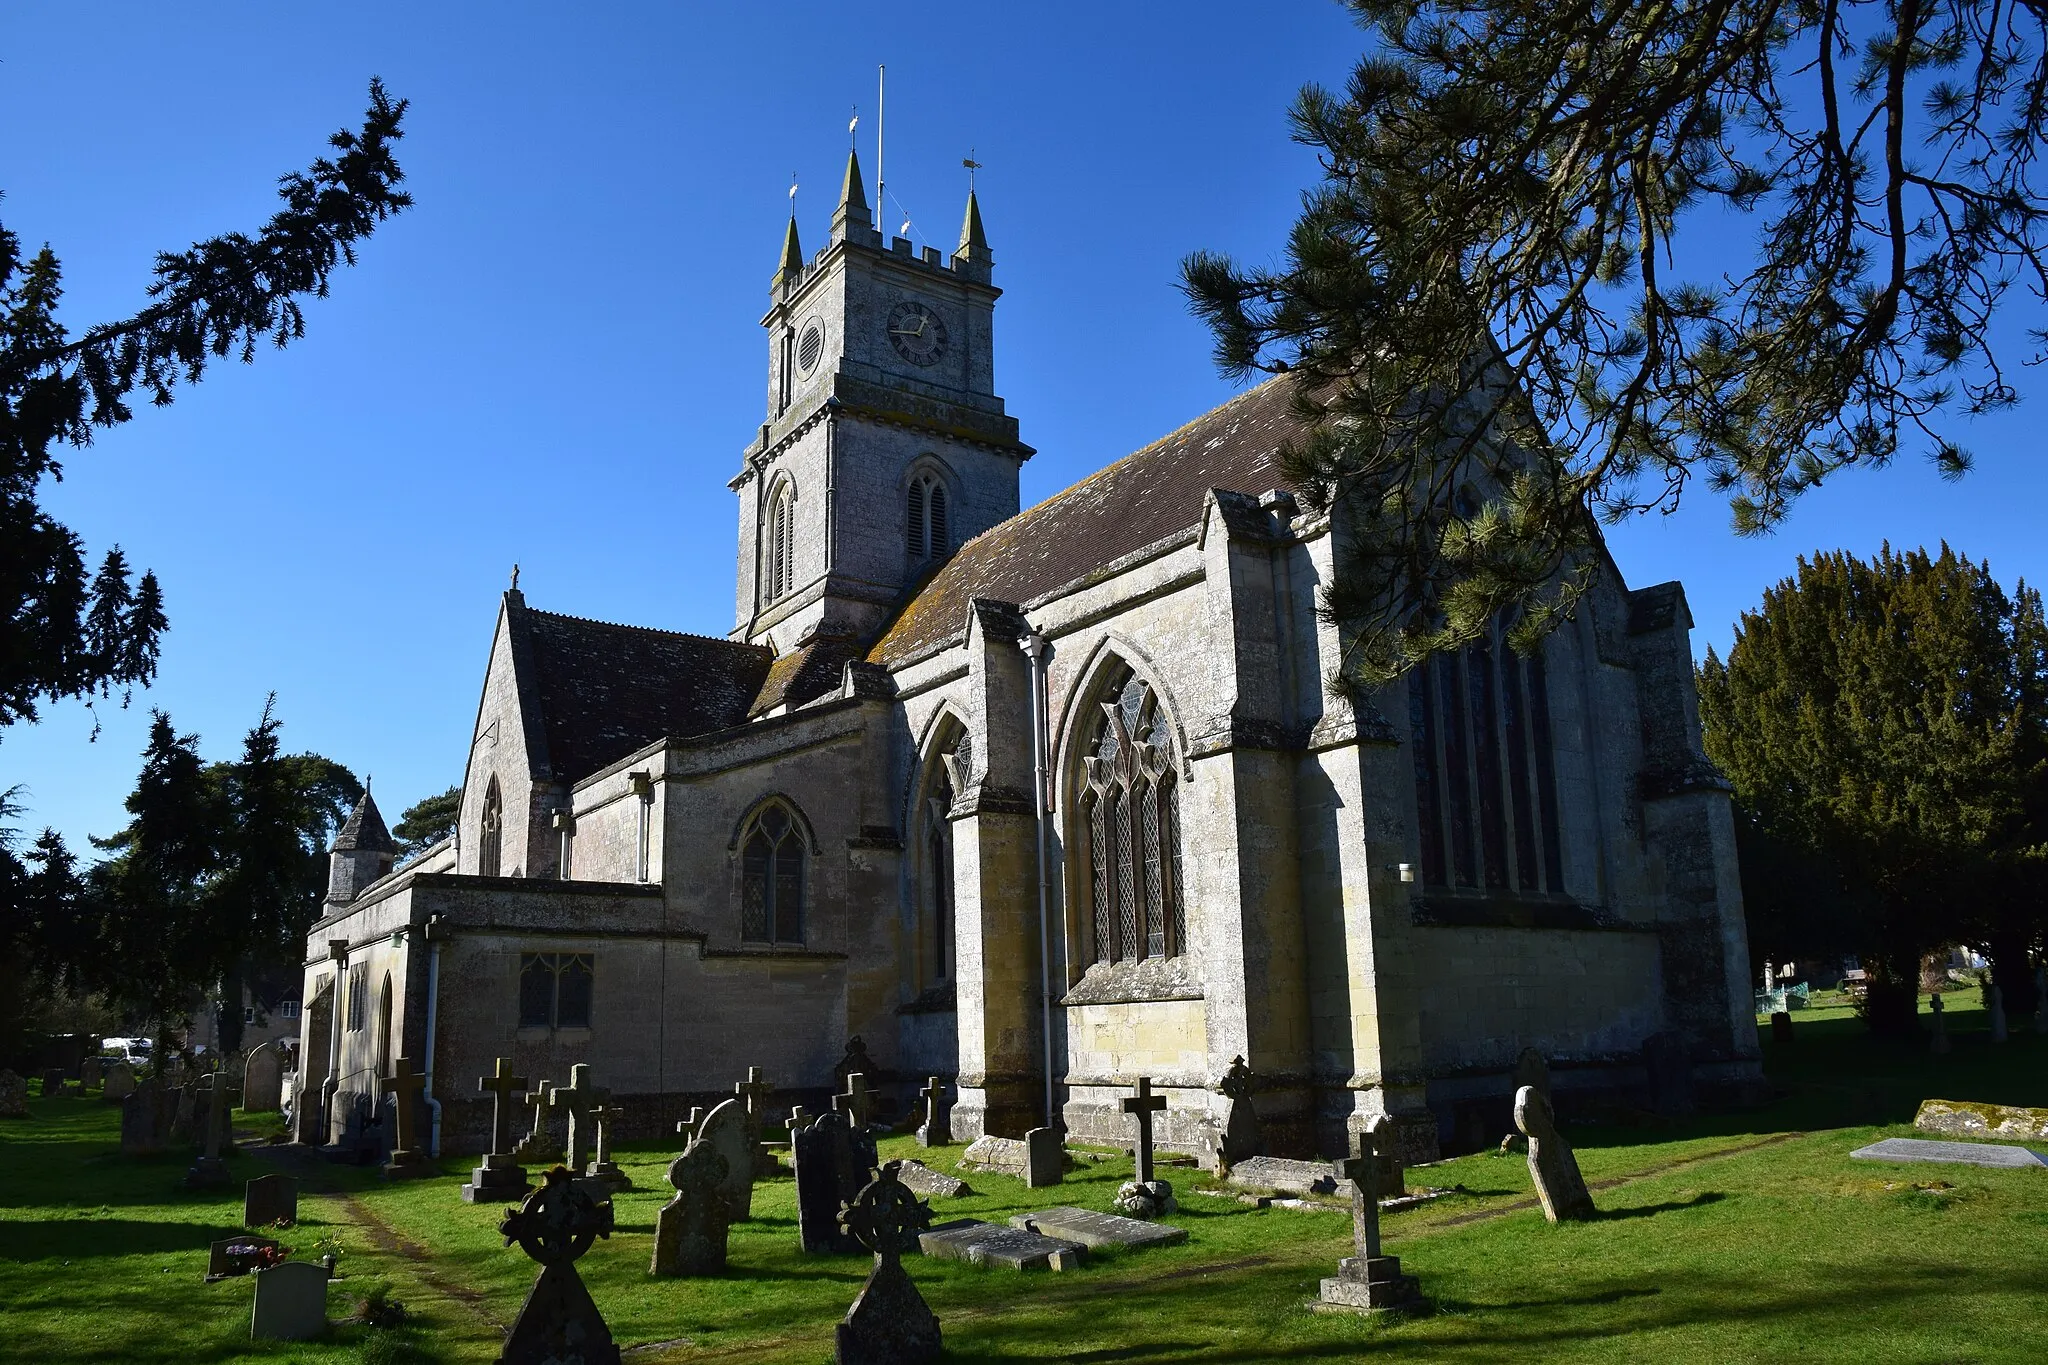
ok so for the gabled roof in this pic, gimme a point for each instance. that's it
(1142, 499)
(805, 673)
(607, 690)
(365, 832)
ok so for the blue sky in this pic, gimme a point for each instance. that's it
(554, 358)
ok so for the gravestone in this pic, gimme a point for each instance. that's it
(53, 1081)
(1045, 1158)
(1969, 1119)
(922, 1179)
(234, 1256)
(13, 1096)
(889, 1322)
(142, 1133)
(187, 1103)
(117, 1081)
(687, 1128)
(937, 1129)
(753, 1094)
(263, 1078)
(1243, 1137)
(1961, 1153)
(209, 1171)
(1938, 1044)
(405, 1085)
(291, 1302)
(558, 1322)
(499, 1175)
(1781, 1027)
(856, 1062)
(269, 1200)
(89, 1073)
(1552, 1166)
(1371, 1281)
(1667, 1066)
(1299, 1178)
(1093, 1229)
(725, 1128)
(1144, 1196)
(1996, 1011)
(1006, 1156)
(691, 1230)
(577, 1099)
(833, 1162)
(854, 1101)
(539, 1145)
(602, 1168)
(1533, 1068)
(979, 1243)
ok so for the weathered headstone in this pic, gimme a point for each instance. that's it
(922, 1179)
(1006, 1156)
(1667, 1066)
(499, 1175)
(269, 1200)
(89, 1073)
(1971, 1119)
(1045, 1157)
(1996, 1011)
(290, 1302)
(833, 1161)
(725, 1128)
(1781, 1027)
(408, 1155)
(558, 1322)
(602, 1167)
(238, 1256)
(690, 1231)
(1533, 1068)
(117, 1081)
(936, 1130)
(1552, 1166)
(141, 1119)
(979, 1243)
(854, 1101)
(1938, 1044)
(13, 1096)
(53, 1081)
(1370, 1281)
(1144, 1196)
(1960, 1153)
(1093, 1229)
(686, 1129)
(1243, 1136)
(539, 1146)
(577, 1099)
(1300, 1178)
(753, 1094)
(856, 1062)
(263, 1078)
(889, 1323)
(209, 1171)
(187, 1104)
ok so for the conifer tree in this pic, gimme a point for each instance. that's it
(427, 822)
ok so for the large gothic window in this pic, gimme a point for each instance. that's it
(778, 569)
(490, 844)
(1485, 775)
(950, 770)
(772, 877)
(926, 518)
(1130, 836)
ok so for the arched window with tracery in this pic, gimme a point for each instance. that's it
(490, 844)
(950, 769)
(778, 569)
(773, 877)
(1128, 845)
(927, 519)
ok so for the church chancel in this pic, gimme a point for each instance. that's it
(681, 857)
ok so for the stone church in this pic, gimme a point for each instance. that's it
(1040, 801)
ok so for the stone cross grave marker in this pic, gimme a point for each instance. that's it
(725, 1128)
(13, 1096)
(499, 1175)
(936, 1130)
(797, 1119)
(602, 1117)
(559, 1322)
(1551, 1164)
(269, 1200)
(404, 1085)
(539, 1144)
(753, 1093)
(853, 1101)
(691, 1230)
(1369, 1281)
(290, 1302)
(889, 1322)
(1938, 1044)
(687, 1128)
(1243, 1137)
(577, 1099)
(1142, 1106)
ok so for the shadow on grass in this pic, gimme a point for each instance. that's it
(1157, 1348)
(81, 1239)
(1670, 1206)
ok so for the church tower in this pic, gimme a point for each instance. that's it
(884, 445)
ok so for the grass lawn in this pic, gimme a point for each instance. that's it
(1746, 1237)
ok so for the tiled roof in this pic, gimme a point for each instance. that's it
(365, 830)
(1140, 500)
(804, 674)
(607, 690)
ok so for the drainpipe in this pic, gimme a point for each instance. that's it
(1036, 647)
(433, 1013)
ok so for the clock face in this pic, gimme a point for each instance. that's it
(916, 333)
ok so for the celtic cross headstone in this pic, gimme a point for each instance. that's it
(559, 1322)
(889, 1323)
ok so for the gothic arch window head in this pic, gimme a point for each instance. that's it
(778, 566)
(948, 771)
(774, 876)
(490, 844)
(928, 519)
(384, 1027)
(1127, 846)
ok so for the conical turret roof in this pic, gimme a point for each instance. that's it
(972, 237)
(792, 251)
(365, 832)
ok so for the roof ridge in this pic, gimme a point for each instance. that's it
(648, 630)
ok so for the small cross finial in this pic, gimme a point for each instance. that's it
(515, 578)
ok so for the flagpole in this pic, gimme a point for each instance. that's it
(881, 116)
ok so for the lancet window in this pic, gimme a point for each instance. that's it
(1129, 843)
(490, 844)
(778, 569)
(950, 771)
(926, 515)
(773, 873)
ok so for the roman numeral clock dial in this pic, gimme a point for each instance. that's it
(917, 333)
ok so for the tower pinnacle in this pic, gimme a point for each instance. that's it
(853, 202)
(973, 253)
(792, 254)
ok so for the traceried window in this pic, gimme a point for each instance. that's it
(772, 877)
(929, 527)
(358, 1004)
(1128, 844)
(555, 990)
(778, 567)
(950, 767)
(1485, 775)
(490, 844)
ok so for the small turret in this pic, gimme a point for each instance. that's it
(972, 256)
(362, 852)
(792, 256)
(852, 214)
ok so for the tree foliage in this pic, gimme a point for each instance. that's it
(1507, 305)
(60, 634)
(427, 822)
(1885, 726)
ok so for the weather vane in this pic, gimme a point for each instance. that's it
(972, 166)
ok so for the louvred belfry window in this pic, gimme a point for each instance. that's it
(1130, 809)
(778, 568)
(927, 533)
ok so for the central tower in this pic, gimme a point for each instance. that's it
(884, 445)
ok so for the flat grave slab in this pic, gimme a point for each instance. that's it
(922, 1179)
(1093, 1229)
(1961, 1153)
(979, 1243)
(1291, 1177)
(237, 1256)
